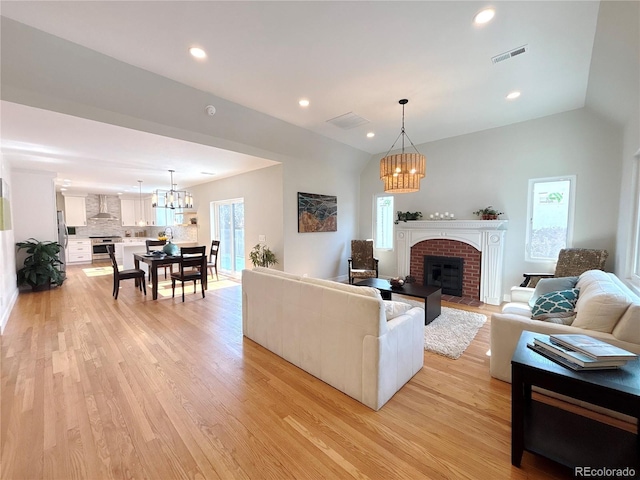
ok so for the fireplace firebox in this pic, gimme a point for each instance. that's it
(444, 272)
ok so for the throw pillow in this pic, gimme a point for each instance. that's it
(395, 309)
(548, 285)
(555, 304)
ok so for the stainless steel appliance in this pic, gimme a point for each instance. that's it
(99, 246)
(63, 240)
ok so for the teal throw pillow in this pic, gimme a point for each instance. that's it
(555, 304)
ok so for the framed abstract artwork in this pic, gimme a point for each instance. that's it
(317, 213)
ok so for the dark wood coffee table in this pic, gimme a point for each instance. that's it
(568, 438)
(432, 296)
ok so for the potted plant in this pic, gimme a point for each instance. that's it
(262, 256)
(488, 213)
(40, 268)
(404, 216)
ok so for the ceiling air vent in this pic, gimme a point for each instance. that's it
(348, 121)
(507, 55)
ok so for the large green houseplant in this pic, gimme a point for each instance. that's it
(40, 268)
(262, 256)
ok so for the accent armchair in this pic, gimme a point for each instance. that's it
(362, 263)
(572, 262)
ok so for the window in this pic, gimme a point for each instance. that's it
(383, 211)
(550, 213)
(228, 227)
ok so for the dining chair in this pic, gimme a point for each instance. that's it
(193, 261)
(157, 243)
(133, 273)
(213, 258)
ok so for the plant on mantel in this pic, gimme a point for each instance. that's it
(404, 216)
(488, 213)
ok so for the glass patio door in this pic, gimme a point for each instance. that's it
(228, 227)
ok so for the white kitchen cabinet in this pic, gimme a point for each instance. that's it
(149, 211)
(128, 212)
(75, 211)
(79, 251)
(134, 210)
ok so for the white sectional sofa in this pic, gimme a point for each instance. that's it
(606, 309)
(338, 333)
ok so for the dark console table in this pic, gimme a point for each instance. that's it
(568, 438)
(432, 296)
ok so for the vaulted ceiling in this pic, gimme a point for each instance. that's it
(355, 58)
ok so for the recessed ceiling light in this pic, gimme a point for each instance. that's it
(371, 135)
(513, 95)
(198, 52)
(63, 189)
(304, 102)
(119, 193)
(484, 16)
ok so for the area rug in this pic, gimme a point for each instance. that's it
(452, 332)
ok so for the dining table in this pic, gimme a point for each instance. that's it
(154, 261)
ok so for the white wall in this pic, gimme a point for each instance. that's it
(493, 168)
(271, 209)
(263, 211)
(34, 205)
(614, 90)
(8, 288)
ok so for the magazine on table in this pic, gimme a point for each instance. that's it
(578, 358)
(592, 347)
(563, 361)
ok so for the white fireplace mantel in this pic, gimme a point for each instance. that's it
(486, 236)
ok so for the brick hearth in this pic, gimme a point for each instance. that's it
(449, 248)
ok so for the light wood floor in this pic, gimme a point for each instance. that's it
(97, 388)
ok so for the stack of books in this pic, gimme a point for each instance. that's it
(581, 352)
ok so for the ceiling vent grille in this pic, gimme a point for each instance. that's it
(510, 54)
(348, 121)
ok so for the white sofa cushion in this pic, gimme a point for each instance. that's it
(343, 287)
(277, 273)
(601, 302)
(394, 309)
(628, 327)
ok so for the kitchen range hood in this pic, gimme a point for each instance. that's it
(103, 213)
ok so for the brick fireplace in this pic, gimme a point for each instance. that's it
(449, 248)
(479, 242)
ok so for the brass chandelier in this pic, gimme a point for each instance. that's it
(401, 173)
(171, 198)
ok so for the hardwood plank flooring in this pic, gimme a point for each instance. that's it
(97, 388)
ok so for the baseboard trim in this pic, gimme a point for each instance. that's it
(7, 312)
